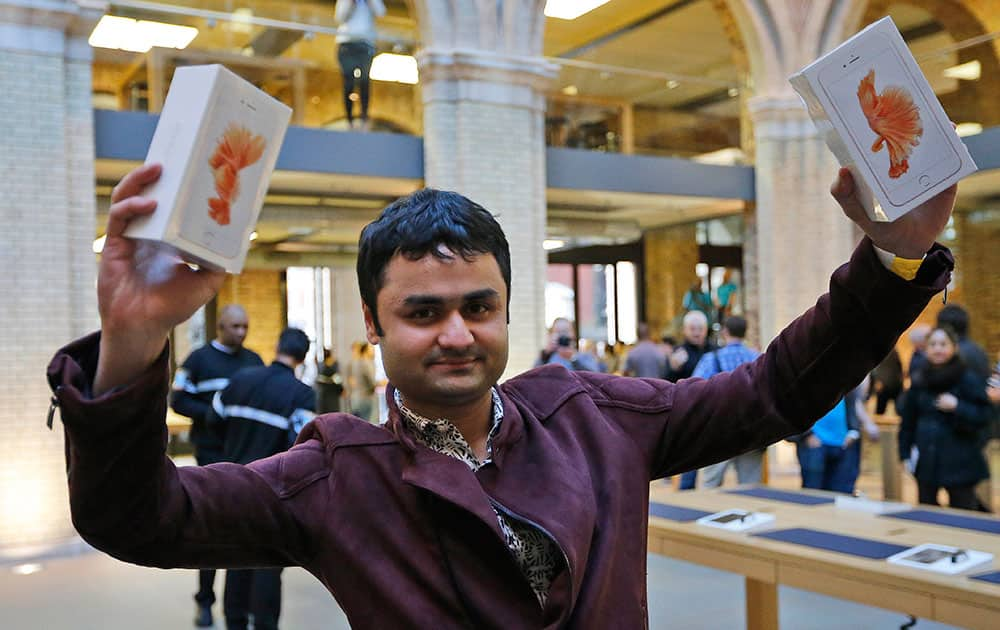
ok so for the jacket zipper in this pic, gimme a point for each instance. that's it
(517, 517)
(52, 412)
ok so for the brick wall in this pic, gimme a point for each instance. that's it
(671, 254)
(47, 225)
(262, 294)
(978, 260)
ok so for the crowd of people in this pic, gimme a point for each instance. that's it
(947, 399)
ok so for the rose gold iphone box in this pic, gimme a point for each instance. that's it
(218, 139)
(880, 117)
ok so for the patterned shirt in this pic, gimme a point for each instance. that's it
(535, 553)
(725, 359)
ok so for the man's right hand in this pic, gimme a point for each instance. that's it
(678, 359)
(142, 292)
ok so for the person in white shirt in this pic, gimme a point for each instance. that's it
(356, 49)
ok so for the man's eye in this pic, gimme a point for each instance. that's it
(478, 308)
(424, 313)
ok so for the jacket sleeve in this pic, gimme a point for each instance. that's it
(183, 397)
(128, 499)
(811, 365)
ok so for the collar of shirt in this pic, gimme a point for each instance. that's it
(221, 347)
(444, 437)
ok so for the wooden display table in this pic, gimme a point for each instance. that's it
(767, 563)
(888, 440)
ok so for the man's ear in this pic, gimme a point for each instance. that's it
(370, 329)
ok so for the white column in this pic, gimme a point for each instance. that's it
(47, 226)
(484, 138)
(801, 233)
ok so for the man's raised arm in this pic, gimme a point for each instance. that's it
(141, 293)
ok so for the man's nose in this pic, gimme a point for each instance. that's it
(455, 332)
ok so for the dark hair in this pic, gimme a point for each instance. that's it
(955, 317)
(736, 326)
(417, 225)
(294, 343)
(949, 332)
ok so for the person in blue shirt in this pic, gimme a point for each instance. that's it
(828, 453)
(730, 356)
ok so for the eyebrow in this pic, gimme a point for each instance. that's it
(472, 296)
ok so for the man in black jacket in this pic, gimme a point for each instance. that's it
(205, 372)
(263, 410)
(682, 362)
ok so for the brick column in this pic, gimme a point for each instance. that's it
(978, 259)
(47, 226)
(484, 138)
(671, 254)
(801, 233)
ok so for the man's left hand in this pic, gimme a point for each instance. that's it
(911, 235)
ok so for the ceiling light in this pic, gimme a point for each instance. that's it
(571, 9)
(968, 129)
(393, 67)
(552, 243)
(99, 244)
(26, 569)
(139, 35)
(570, 90)
(673, 84)
(968, 71)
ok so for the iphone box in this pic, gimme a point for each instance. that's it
(217, 139)
(881, 119)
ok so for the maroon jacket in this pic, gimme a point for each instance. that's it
(405, 537)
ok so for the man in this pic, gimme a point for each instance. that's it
(645, 359)
(206, 371)
(957, 318)
(264, 409)
(726, 359)
(682, 363)
(561, 328)
(685, 357)
(486, 505)
(329, 383)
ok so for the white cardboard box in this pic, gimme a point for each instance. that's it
(218, 139)
(941, 558)
(736, 520)
(880, 117)
(872, 506)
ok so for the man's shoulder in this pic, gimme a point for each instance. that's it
(544, 389)
(199, 354)
(335, 430)
(249, 374)
(247, 355)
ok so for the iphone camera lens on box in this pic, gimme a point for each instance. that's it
(881, 119)
(218, 139)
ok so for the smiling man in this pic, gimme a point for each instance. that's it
(478, 505)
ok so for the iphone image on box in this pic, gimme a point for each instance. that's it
(230, 169)
(872, 93)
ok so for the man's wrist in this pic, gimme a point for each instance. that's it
(904, 267)
(123, 358)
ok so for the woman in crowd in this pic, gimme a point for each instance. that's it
(945, 415)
